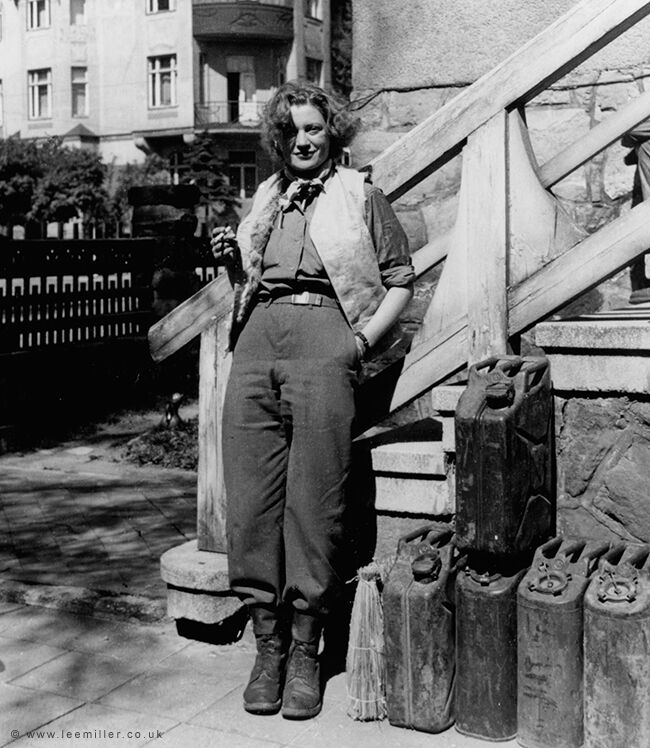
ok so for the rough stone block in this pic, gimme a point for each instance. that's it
(409, 457)
(370, 143)
(445, 398)
(588, 431)
(413, 495)
(197, 584)
(553, 129)
(614, 90)
(406, 109)
(205, 607)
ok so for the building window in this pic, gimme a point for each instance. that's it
(242, 172)
(79, 82)
(38, 14)
(40, 93)
(162, 81)
(77, 12)
(313, 9)
(203, 78)
(314, 69)
(160, 6)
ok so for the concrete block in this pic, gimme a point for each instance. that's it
(205, 607)
(448, 434)
(606, 373)
(186, 566)
(197, 584)
(412, 495)
(603, 331)
(445, 398)
(409, 457)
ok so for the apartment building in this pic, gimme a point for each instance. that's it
(130, 77)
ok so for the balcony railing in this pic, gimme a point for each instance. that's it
(244, 113)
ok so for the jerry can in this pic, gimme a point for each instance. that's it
(617, 651)
(419, 631)
(486, 652)
(505, 481)
(549, 643)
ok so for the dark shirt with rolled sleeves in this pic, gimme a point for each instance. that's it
(292, 264)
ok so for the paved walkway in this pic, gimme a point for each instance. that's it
(92, 659)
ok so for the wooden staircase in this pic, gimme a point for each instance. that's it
(513, 258)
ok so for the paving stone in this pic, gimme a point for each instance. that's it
(17, 657)
(98, 722)
(228, 715)
(23, 709)
(81, 675)
(157, 692)
(190, 736)
(335, 727)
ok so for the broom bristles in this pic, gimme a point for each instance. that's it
(365, 663)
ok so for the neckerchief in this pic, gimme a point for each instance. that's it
(300, 191)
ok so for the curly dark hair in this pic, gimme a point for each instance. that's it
(277, 122)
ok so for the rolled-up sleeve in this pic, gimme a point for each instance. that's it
(389, 239)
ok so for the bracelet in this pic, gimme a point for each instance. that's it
(364, 340)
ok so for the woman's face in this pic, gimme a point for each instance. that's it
(306, 146)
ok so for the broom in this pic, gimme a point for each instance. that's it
(365, 670)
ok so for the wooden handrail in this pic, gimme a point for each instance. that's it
(596, 140)
(574, 37)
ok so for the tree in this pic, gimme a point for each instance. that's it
(153, 170)
(20, 171)
(72, 185)
(342, 46)
(205, 170)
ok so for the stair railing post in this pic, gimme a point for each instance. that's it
(486, 216)
(214, 367)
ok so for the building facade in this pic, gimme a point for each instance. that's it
(130, 77)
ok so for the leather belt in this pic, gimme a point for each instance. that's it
(305, 298)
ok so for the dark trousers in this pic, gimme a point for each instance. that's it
(287, 433)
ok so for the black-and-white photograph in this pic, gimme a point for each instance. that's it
(325, 373)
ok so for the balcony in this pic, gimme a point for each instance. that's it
(272, 21)
(229, 113)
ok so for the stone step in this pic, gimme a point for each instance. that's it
(413, 478)
(444, 399)
(602, 352)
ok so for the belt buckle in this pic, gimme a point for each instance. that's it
(306, 297)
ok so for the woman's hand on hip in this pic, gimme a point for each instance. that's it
(223, 244)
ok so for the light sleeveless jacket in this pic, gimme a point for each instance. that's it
(340, 236)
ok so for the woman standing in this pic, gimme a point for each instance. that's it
(321, 272)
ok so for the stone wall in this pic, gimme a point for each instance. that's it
(409, 59)
(603, 457)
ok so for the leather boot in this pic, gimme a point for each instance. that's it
(263, 694)
(302, 696)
